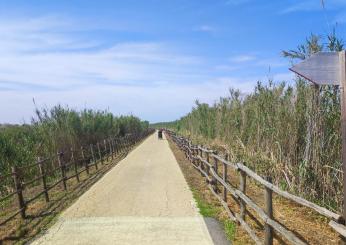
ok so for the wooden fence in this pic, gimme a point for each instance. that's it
(52, 171)
(208, 163)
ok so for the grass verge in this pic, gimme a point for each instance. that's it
(205, 209)
(210, 210)
(207, 204)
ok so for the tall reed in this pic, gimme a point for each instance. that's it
(289, 131)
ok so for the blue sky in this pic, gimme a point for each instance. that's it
(150, 58)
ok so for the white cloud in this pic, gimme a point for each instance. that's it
(312, 5)
(242, 58)
(156, 103)
(227, 67)
(272, 62)
(33, 54)
(205, 28)
(253, 61)
(237, 2)
(44, 58)
(340, 18)
(302, 6)
(286, 77)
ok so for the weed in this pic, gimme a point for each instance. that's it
(230, 229)
(205, 209)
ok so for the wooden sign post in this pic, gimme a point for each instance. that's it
(343, 121)
(329, 68)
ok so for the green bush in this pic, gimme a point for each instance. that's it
(59, 129)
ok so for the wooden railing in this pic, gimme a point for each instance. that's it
(52, 171)
(208, 163)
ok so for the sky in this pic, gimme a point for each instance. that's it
(149, 58)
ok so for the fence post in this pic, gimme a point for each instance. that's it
(268, 196)
(116, 146)
(216, 172)
(93, 155)
(119, 145)
(113, 147)
(74, 164)
(186, 148)
(99, 151)
(105, 145)
(225, 178)
(84, 161)
(193, 160)
(43, 177)
(125, 143)
(62, 168)
(19, 190)
(208, 160)
(198, 154)
(201, 164)
(110, 148)
(242, 187)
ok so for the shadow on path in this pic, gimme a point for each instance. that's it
(216, 231)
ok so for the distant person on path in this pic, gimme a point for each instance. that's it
(159, 134)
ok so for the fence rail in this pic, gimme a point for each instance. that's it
(207, 162)
(46, 179)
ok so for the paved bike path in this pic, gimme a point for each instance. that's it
(144, 199)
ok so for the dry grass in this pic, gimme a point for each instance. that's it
(304, 222)
(198, 185)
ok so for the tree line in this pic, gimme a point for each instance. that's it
(59, 129)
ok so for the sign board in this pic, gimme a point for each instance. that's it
(322, 68)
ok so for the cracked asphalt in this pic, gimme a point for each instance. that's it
(144, 199)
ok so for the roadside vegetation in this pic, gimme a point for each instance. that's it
(51, 131)
(207, 204)
(211, 210)
(290, 131)
(60, 129)
(290, 214)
